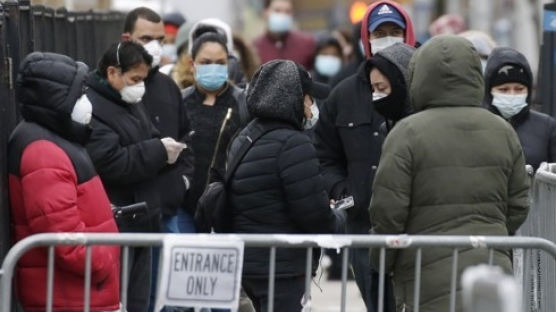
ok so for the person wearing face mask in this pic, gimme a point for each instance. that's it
(164, 103)
(388, 72)
(217, 110)
(277, 186)
(128, 153)
(385, 24)
(54, 188)
(281, 41)
(214, 25)
(319, 93)
(348, 136)
(508, 93)
(328, 59)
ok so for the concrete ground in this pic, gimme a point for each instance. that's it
(329, 299)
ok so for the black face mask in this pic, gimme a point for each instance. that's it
(391, 107)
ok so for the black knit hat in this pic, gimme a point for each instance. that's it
(511, 73)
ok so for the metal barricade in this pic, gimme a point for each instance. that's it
(344, 242)
(535, 271)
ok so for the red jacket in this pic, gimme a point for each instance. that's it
(409, 31)
(54, 188)
(295, 46)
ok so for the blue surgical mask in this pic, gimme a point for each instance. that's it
(328, 65)
(279, 23)
(211, 77)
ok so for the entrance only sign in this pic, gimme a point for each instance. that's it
(200, 273)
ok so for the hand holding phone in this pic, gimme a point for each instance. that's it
(344, 204)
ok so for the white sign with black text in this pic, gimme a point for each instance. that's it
(200, 273)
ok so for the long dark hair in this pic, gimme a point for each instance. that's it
(125, 55)
(208, 37)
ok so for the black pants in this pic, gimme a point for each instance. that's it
(288, 293)
(366, 278)
(139, 284)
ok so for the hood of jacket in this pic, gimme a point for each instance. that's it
(220, 26)
(276, 93)
(393, 62)
(446, 71)
(409, 31)
(498, 58)
(399, 54)
(48, 87)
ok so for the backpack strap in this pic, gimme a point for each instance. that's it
(259, 130)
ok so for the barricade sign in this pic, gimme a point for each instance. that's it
(200, 273)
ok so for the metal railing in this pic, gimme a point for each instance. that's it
(344, 242)
(535, 271)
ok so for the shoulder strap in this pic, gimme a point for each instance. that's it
(239, 95)
(247, 144)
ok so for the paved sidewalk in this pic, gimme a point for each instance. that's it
(330, 298)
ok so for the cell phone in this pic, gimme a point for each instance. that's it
(345, 203)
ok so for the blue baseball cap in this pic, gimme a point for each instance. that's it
(383, 14)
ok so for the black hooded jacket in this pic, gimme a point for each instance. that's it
(127, 153)
(349, 141)
(167, 112)
(277, 187)
(536, 131)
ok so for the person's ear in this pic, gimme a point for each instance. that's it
(125, 36)
(112, 74)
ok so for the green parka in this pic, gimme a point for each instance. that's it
(453, 168)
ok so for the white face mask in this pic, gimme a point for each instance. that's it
(82, 111)
(311, 123)
(383, 43)
(155, 50)
(133, 94)
(509, 105)
(378, 95)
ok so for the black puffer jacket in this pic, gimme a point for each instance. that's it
(536, 131)
(277, 187)
(348, 142)
(127, 153)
